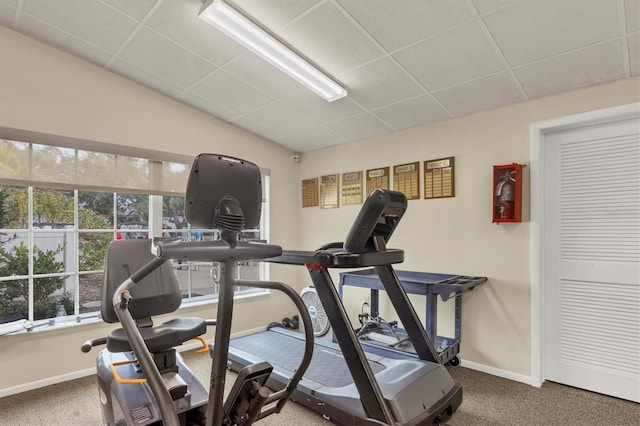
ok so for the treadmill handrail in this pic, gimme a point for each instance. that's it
(338, 258)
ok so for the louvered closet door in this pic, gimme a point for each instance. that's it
(592, 258)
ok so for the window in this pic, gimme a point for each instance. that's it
(54, 228)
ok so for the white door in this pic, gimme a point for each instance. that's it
(591, 272)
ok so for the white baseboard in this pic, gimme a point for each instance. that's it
(90, 371)
(47, 382)
(195, 345)
(516, 377)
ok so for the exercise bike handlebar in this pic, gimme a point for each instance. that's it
(121, 298)
(283, 395)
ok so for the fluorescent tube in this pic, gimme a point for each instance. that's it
(228, 20)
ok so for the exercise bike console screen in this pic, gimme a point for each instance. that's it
(223, 192)
(378, 217)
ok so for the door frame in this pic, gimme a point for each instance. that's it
(538, 131)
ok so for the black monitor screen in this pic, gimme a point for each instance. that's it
(214, 177)
(379, 216)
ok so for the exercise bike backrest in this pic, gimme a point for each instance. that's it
(158, 293)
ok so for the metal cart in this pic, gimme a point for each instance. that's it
(428, 284)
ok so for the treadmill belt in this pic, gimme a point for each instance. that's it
(327, 367)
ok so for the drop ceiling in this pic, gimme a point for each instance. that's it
(404, 63)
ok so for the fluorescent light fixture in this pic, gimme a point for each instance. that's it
(228, 20)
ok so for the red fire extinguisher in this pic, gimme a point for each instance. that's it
(505, 195)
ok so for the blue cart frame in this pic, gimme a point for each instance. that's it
(424, 283)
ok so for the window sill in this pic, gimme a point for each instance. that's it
(24, 327)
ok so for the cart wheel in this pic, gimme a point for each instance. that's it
(454, 362)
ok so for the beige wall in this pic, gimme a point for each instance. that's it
(455, 235)
(45, 90)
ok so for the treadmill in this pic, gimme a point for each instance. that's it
(343, 383)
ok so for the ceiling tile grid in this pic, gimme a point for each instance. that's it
(404, 63)
(7, 15)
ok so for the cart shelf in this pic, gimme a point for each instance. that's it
(430, 285)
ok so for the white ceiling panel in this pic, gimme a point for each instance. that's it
(404, 63)
(633, 43)
(7, 15)
(478, 95)
(273, 14)
(141, 75)
(330, 40)
(360, 127)
(162, 57)
(282, 118)
(324, 112)
(207, 106)
(80, 18)
(314, 138)
(310, 104)
(236, 95)
(380, 83)
(137, 9)
(461, 54)
(63, 40)
(485, 6)
(632, 14)
(178, 21)
(412, 112)
(254, 70)
(269, 132)
(530, 30)
(591, 65)
(419, 19)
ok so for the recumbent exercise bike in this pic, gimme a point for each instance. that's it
(142, 379)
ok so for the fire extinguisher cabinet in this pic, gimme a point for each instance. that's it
(507, 193)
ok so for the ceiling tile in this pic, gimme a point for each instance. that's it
(324, 112)
(632, 12)
(450, 58)
(153, 52)
(531, 30)
(205, 105)
(81, 18)
(273, 14)
(256, 71)
(7, 15)
(281, 118)
(580, 68)
(413, 112)
(486, 93)
(269, 132)
(418, 19)
(380, 83)
(227, 91)
(137, 9)
(633, 43)
(312, 139)
(144, 77)
(178, 21)
(360, 127)
(327, 38)
(485, 6)
(61, 40)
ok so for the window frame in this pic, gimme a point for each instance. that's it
(155, 229)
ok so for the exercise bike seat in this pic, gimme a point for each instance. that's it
(171, 333)
(157, 293)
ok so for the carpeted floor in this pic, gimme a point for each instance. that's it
(488, 400)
